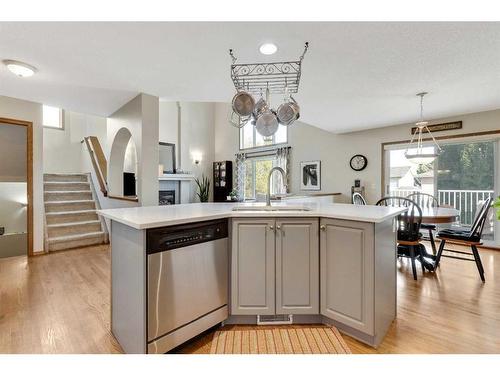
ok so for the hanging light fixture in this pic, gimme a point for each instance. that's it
(416, 152)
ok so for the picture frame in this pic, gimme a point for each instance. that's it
(310, 175)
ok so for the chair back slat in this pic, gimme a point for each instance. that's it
(408, 222)
(480, 219)
(358, 199)
(424, 200)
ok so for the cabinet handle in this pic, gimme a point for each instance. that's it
(271, 227)
(278, 227)
(322, 227)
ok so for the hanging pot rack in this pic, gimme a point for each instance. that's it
(277, 77)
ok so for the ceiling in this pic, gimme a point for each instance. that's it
(355, 76)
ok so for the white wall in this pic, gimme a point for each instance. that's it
(13, 210)
(63, 151)
(335, 150)
(140, 117)
(197, 136)
(30, 111)
(13, 153)
(130, 162)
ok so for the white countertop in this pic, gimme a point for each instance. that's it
(159, 216)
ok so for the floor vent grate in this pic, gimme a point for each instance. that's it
(274, 319)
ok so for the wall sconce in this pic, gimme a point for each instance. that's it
(197, 157)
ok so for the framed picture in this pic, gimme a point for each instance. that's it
(310, 175)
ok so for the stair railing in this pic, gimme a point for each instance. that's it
(98, 162)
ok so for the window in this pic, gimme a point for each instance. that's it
(52, 117)
(256, 173)
(250, 138)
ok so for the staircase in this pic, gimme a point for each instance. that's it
(70, 212)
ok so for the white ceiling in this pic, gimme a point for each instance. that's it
(355, 75)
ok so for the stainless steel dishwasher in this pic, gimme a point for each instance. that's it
(187, 282)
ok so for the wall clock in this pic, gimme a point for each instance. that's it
(358, 162)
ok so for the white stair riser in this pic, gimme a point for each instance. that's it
(68, 196)
(65, 177)
(71, 218)
(67, 187)
(67, 230)
(77, 243)
(70, 206)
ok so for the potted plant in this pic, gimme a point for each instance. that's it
(496, 204)
(234, 195)
(203, 188)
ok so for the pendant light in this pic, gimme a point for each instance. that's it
(415, 152)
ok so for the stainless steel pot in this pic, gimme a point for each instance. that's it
(288, 112)
(243, 103)
(260, 107)
(267, 123)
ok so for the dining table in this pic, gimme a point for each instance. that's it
(436, 215)
(439, 215)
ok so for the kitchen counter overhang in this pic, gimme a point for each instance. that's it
(160, 216)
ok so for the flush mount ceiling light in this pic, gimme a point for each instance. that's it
(19, 68)
(268, 48)
(416, 152)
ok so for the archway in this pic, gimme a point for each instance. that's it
(122, 169)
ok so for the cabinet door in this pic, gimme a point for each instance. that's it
(347, 273)
(297, 266)
(252, 263)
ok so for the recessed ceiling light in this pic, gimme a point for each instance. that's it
(19, 68)
(268, 48)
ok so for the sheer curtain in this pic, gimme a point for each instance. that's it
(240, 175)
(283, 161)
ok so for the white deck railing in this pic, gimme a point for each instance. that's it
(465, 201)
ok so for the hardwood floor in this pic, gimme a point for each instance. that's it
(59, 303)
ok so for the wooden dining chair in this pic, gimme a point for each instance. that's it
(408, 226)
(466, 237)
(358, 199)
(425, 200)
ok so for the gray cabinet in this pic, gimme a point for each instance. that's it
(297, 266)
(274, 266)
(252, 267)
(347, 273)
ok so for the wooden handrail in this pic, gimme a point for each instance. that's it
(98, 162)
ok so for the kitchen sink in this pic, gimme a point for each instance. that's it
(271, 208)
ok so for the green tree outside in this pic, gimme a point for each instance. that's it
(466, 167)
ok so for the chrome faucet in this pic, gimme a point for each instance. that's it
(283, 174)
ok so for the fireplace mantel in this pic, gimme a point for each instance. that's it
(176, 177)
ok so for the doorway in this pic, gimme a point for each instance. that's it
(16, 188)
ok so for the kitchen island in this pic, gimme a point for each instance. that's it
(179, 270)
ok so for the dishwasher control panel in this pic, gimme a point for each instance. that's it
(173, 237)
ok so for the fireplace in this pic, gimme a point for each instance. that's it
(167, 197)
